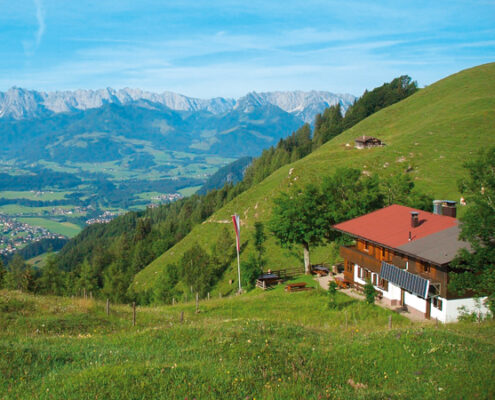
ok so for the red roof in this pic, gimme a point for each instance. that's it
(391, 225)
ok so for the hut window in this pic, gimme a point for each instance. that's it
(437, 303)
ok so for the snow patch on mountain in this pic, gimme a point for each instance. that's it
(18, 103)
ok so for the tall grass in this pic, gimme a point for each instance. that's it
(263, 345)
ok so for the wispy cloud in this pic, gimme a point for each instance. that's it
(227, 48)
(30, 46)
(40, 17)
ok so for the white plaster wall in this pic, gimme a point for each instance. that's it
(394, 291)
(437, 314)
(357, 279)
(451, 308)
(415, 302)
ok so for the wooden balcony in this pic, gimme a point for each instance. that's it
(353, 255)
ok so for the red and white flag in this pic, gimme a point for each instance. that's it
(237, 228)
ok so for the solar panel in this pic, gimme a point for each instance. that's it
(404, 279)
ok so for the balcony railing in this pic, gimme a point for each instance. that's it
(353, 255)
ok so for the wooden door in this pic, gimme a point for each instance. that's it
(428, 308)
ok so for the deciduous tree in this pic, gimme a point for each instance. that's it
(477, 267)
(298, 218)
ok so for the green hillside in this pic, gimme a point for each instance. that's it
(430, 134)
(262, 345)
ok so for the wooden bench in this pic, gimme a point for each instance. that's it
(295, 287)
(360, 289)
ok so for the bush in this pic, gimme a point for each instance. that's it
(250, 270)
(332, 295)
(369, 293)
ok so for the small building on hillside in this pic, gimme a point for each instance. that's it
(365, 142)
(406, 254)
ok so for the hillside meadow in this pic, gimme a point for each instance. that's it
(260, 345)
(429, 135)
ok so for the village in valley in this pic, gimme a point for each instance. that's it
(15, 235)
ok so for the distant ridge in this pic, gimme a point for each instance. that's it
(18, 103)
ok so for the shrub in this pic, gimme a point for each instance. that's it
(332, 295)
(369, 293)
(250, 270)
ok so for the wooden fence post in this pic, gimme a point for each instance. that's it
(197, 302)
(389, 322)
(173, 301)
(133, 313)
(181, 318)
(208, 295)
(108, 306)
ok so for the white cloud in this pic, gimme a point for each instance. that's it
(40, 17)
(30, 46)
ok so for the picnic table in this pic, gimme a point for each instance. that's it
(266, 280)
(320, 270)
(297, 287)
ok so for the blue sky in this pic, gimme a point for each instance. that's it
(228, 48)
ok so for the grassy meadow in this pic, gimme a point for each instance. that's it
(261, 345)
(63, 228)
(430, 134)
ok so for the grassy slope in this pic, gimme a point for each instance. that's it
(433, 131)
(271, 345)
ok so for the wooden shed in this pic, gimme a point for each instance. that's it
(364, 142)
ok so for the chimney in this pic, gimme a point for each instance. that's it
(445, 207)
(414, 219)
(437, 207)
(449, 208)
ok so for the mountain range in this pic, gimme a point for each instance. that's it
(18, 103)
(109, 125)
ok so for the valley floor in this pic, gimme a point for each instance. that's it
(263, 345)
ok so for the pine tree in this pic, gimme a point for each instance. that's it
(16, 278)
(52, 279)
(88, 280)
(259, 238)
(3, 272)
(164, 288)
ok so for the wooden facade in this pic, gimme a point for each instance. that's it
(370, 256)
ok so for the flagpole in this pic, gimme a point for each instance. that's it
(237, 222)
(239, 267)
